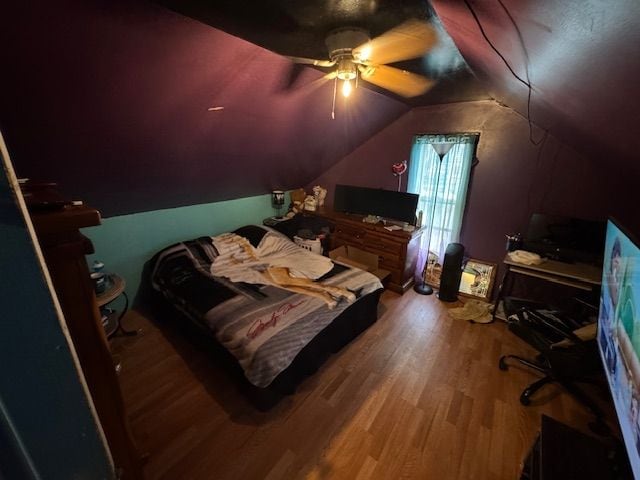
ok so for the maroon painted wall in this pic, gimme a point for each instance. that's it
(513, 179)
(110, 100)
(580, 56)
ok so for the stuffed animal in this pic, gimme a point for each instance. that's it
(297, 207)
(298, 196)
(310, 203)
(319, 193)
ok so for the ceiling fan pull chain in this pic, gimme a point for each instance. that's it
(333, 104)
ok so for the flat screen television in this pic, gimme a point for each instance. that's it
(376, 201)
(619, 333)
(566, 239)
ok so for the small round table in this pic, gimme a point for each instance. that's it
(115, 288)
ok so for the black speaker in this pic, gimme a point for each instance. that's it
(451, 272)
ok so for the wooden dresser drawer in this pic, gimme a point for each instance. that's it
(350, 231)
(390, 263)
(384, 256)
(339, 239)
(382, 244)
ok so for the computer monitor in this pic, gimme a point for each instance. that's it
(376, 201)
(619, 333)
(566, 239)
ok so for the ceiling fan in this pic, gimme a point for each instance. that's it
(355, 55)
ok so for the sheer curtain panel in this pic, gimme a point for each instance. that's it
(439, 170)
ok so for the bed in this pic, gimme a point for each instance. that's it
(268, 337)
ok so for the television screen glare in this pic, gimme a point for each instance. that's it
(619, 334)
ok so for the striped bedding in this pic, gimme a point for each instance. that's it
(263, 326)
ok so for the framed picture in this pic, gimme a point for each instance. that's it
(477, 279)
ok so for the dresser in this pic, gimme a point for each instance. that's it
(397, 250)
(64, 249)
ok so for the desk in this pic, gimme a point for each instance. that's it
(576, 275)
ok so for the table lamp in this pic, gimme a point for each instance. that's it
(277, 200)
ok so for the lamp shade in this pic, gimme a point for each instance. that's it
(442, 148)
(277, 198)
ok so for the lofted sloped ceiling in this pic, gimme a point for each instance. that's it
(581, 58)
(111, 99)
(299, 28)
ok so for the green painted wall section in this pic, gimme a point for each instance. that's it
(126, 242)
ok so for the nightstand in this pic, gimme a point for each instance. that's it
(115, 288)
(273, 221)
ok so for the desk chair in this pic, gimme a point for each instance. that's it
(563, 357)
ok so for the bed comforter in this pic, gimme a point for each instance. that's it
(263, 326)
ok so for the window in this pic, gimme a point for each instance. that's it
(439, 172)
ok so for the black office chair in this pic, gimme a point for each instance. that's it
(576, 362)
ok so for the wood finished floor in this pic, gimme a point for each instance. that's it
(418, 395)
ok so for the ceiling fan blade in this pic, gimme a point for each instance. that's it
(408, 40)
(312, 61)
(306, 87)
(309, 87)
(401, 82)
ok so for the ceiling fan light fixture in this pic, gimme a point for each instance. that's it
(346, 69)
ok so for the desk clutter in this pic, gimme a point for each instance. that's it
(524, 257)
(579, 276)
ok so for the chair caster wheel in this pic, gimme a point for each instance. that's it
(524, 398)
(502, 364)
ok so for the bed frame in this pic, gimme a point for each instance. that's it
(343, 329)
(347, 326)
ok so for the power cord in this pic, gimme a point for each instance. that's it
(526, 70)
(526, 82)
(543, 142)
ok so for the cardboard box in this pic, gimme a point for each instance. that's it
(360, 259)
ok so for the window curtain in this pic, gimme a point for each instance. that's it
(443, 182)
